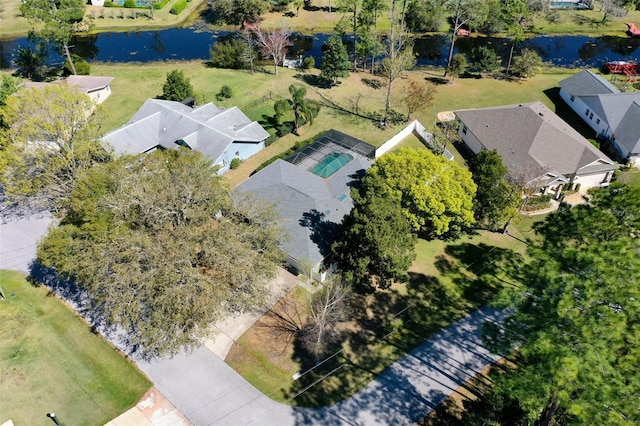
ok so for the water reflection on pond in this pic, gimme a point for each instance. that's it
(190, 44)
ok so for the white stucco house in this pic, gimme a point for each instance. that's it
(613, 115)
(536, 146)
(98, 88)
(220, 134)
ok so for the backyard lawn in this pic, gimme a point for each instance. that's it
(50, 361)
(448, 281)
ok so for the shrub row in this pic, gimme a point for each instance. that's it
(131, 4)
(178, 7)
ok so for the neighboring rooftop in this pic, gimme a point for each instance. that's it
(533, 141)
(312, 206)
(168, 124)
(587, 83)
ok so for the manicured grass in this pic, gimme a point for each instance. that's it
(585, 22)
(629, 176)
(50, 361)
(448, 280)
(255, 95)
(12, 24)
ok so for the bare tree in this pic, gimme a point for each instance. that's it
(274, 43)
(249, 52)
(399, 56)
(328, 307)
(465, 12)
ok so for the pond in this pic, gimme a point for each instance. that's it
(192, 43)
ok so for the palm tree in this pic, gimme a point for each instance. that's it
(29, 62)
(302, 108)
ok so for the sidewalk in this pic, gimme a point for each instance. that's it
(152, 410)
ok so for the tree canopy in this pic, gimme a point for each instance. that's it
(376, 246)
(497, 199)
(576, 317)
(49, 144)
(435, 193)
(163, 249)
(177, 87)
(335, 61)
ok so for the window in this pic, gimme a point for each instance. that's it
(464, 129)
(591, 116)
(573, 98)
(598, 121)
(587, 112)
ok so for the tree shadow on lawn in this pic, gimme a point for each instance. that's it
(388, 324)
(480, 270)
(80, 301)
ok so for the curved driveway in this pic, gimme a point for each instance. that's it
(208, 392)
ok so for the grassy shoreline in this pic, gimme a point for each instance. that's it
(319, 20)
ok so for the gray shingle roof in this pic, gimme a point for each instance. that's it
(587, 83)
(628, 131)
(533, 141)
(208, 128)
(298, 195)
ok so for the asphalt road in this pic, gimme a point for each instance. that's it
(209, 392)
(19, 238)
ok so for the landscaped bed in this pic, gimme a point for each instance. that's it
(51, 361)
(448, 281)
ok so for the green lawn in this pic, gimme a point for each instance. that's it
(50, 361)
(12, 24)
(448, 280)
(629, 176)
(255, 95)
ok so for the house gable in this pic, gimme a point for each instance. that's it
(208, 129)
(587, 83)
(534, 143)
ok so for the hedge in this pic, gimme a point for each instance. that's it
(178, 7)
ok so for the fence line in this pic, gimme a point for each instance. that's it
(418, 129)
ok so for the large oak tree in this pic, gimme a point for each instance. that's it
(163, 249)
(49, 144)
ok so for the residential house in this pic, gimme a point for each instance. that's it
(98, 88)
(536, 146)
(310, 191)
(615, 116)
(220, 134)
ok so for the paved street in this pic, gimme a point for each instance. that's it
(18, 240)
(208, 392)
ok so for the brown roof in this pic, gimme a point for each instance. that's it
(533, 141)
(86, 83)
